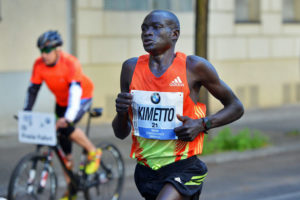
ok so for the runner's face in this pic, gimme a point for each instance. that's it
(156, 33)
(50, 57)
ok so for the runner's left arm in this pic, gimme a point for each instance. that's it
(202, 73)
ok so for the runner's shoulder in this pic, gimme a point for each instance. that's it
(197, 61)
(201, 69)
(131, 62)
(129, 65)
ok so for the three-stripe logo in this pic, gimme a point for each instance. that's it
(176, 82)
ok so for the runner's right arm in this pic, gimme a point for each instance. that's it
(121, 123)
(31, 95)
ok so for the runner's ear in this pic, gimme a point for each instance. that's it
(175, 34)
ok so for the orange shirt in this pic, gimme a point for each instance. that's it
(59, 77)
(157, 153)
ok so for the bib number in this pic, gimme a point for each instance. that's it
(154, 114)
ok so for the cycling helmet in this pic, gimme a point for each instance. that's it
(49, 39)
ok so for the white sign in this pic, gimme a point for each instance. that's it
(37, 128)
(154, 114)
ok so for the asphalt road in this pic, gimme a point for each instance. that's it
(270, 174)
(275, 177)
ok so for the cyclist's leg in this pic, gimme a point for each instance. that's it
(81, 139)
(63, 137)
(94, 154)
(66, 145)
(64, 133)
(78, 135)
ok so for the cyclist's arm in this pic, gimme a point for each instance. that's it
(121, 123)
(36, 81)
(31, 95)
(75, 92)
(74, 78)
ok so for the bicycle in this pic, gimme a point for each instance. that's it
(34, 176)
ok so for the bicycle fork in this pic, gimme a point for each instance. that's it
(44, 174)
(31, 178)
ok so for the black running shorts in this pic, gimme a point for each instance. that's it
(186, 176)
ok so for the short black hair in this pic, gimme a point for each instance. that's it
(172, 17)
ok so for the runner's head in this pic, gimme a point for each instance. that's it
(160, 31)
(48, 43)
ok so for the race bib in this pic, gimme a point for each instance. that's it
(37, 128)
(154, 114)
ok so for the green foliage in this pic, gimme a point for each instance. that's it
(225, 140)
(293, 133)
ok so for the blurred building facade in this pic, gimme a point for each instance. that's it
(254, 45)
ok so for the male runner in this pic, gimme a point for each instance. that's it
(159, 105)
(73, 92)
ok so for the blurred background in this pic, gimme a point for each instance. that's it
(253, 44)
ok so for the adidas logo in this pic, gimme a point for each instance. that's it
(176, 82)
(178, 179)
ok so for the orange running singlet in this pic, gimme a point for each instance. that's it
(59, 77)
(156, 153)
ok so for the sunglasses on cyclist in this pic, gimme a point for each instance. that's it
(47, 49)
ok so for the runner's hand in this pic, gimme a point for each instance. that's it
(123, 102)
(189, 129)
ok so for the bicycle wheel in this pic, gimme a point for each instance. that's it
(110, 175)
(25, 180)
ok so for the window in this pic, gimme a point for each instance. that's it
(291, 11)
(180, 5)
(129, 5)
(247, 11)
(125, 5)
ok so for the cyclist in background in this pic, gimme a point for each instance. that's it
(73, 92)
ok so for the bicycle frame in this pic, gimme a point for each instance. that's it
(78, 181)
(35, 176)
